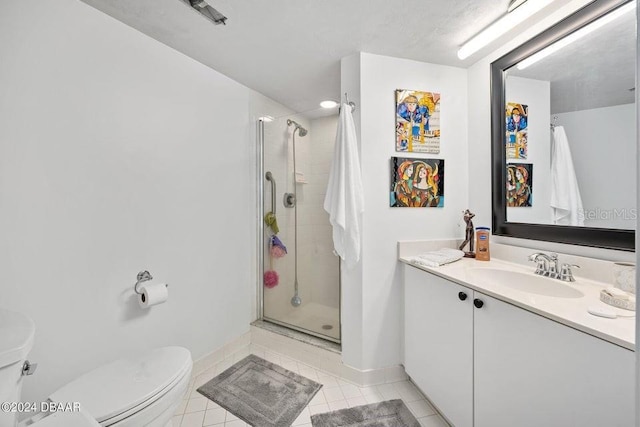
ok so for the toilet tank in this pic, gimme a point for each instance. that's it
(16, 340)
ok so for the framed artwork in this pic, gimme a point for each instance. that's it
(417, 183)
(517, 117)
(417, 121)
(519, 185)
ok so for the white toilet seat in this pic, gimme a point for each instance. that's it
(126, 387)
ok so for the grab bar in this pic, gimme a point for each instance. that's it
(271, 179)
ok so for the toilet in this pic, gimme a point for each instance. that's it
(16, 340)
(136, 391)
(144, 390)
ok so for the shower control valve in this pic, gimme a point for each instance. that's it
(289, 200)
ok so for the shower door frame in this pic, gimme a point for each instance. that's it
(260, 249)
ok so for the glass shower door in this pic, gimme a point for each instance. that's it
(295, 210)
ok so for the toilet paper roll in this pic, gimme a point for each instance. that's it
(153, 294)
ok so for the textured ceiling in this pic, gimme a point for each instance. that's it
(290, 50)
(596, 71)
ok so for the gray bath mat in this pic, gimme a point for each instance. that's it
(261, 393)
(391, 413)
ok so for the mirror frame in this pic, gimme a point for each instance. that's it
(585, 236)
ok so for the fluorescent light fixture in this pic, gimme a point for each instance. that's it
(266, 119)
(328, 104)
(501, 26)
(576, 35)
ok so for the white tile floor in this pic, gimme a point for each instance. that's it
(336, 393)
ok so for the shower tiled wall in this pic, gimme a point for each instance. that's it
(318, 268)
(320, 264)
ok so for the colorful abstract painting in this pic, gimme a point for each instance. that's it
(517, 117)
(417, 183)
(417, 121)
(519, 185)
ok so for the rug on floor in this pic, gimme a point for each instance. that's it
(261, 393)
(391, 413)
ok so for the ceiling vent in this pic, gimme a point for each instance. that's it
(207, 11)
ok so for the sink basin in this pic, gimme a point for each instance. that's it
(525, 282)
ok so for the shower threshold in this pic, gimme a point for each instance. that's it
(299, 334)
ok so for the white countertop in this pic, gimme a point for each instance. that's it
(571, 312)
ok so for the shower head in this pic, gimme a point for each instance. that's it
(301, 131)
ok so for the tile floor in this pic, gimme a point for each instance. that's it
(336, 393)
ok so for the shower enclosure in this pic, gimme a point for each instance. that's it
(299, 289)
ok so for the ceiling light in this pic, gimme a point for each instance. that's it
(328, 104)
(212, 14)
(576, 35)
(501, 26)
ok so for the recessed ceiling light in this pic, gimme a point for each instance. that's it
(328, 104)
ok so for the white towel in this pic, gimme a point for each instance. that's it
(565, 194)
(437, 258)
(344, 200)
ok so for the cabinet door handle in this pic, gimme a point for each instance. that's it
(462, 296)
(478, 303)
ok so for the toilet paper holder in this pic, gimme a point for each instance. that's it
(143, 276)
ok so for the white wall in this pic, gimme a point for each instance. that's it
(351, 288)
(479, 131)
(119, 154)
(605, 167)
(383, 226)
(537, 95)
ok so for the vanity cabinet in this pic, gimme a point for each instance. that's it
(487, 363)
(438, 353)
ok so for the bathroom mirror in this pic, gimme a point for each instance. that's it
(563, 125)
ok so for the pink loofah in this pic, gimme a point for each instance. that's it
(277, 252)
(271, 279)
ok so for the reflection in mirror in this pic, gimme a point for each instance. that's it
(564, 119)
(571, 131)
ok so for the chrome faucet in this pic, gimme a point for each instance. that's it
(547, 266)
(566, 275)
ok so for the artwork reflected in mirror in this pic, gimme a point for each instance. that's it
(516, 122)
(519, 185)
(417, 183)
